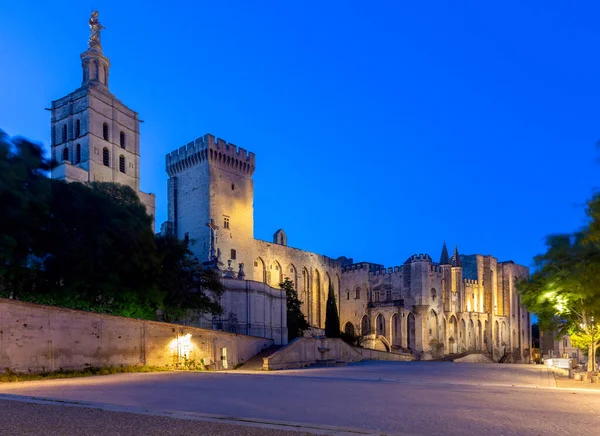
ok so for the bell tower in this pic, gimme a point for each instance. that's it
(95, 137)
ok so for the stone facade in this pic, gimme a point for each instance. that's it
(458, 304)
(438, 308)
(94, 136)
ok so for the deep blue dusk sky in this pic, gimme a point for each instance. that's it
(380, 128)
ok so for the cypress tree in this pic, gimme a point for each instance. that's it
(332, 319)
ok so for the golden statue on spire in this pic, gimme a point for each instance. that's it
(95, 28)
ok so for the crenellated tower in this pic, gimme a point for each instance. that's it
(210, 197)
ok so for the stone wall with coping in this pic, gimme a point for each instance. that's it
(304, 352)
(35, 338)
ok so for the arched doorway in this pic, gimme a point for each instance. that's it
(315, 299)
(453, 335)
(433, 325)
(304, 295)
(364, 326)
(497, 334)
(259, 271)
(380, 325)
(479, 336)
(472, 340)
(395, 338)
(349, 328)
(463, 336)
(410, 331)
(293, 275)
(275, 274)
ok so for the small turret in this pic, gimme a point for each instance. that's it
(456, 258)
(444, 258)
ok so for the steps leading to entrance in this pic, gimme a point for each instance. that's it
(256, 363)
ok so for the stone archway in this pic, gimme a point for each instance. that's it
(259, 274)
(410, 332)
(349, 328)
(315, 299)
(433, 327)
(380, 325)
(395, 337)
(463, 336)
(453, 335)
(365, 327)
(471, 335)
(479, 336)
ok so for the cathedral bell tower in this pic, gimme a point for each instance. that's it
(95, 137)
(93, 62)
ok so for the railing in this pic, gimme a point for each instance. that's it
(386, 303)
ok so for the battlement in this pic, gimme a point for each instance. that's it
(217, 152)
(361, 266)
(470, 282)
(418, 258)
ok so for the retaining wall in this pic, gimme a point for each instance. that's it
(44, 338)
(304, 352)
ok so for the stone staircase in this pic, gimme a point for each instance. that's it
(256, 363)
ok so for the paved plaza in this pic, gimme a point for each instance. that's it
(422, 398)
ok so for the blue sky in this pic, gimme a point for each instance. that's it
(381, 129)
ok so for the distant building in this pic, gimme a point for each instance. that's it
(557, 346)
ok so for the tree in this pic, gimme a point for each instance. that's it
(24, 194)
(332, 319)
(564, 291)
(187, 287)
(296, 322)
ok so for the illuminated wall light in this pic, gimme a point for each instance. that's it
(182, 345)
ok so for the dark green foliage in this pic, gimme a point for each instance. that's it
(89, 246)
(24, 194)
(332, 319)
(188, 289)
(564, 291)
(296, 322)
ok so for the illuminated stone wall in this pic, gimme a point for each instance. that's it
(43, 338)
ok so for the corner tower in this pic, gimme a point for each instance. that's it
(211, 200)
(94, 136)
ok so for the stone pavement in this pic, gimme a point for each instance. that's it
(375, 397)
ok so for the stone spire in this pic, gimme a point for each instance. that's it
(93, 62)
(456, 257)
(444, 258)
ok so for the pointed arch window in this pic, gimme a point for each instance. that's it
(122, 139)
(105, 131)
(78, 153)
(65, 154)
(122, 163)
(64, 132)
(105, 157)
(77, 128)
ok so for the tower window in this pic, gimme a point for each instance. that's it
(226, 222)
(65, 155)
(64, 132)
(232, 186)
(105, 157)
(233, 254)
(122, 163)
(77, 128)
(122, 139)
(357, 292)
(78, 153)
(105, 131)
